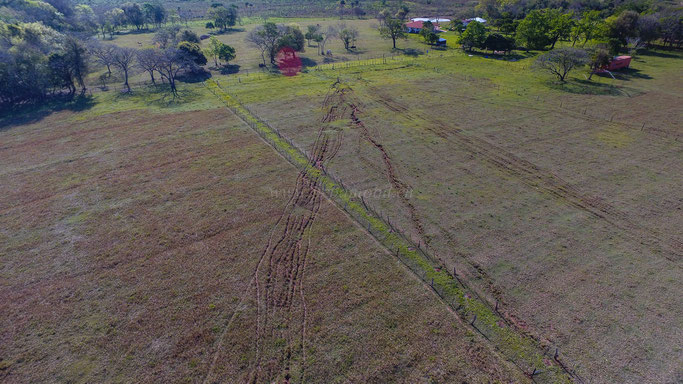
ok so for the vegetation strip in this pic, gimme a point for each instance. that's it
(524, 351)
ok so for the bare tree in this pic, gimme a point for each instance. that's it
(172, 62)
(104, 54)
(123, 59)
(148, 60)
(329, 34)
(561, 61)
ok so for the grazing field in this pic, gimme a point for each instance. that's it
(369, 44)
(154, 241)
(561, 203)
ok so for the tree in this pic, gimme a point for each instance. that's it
(586, 27)
(561, 61)
(124, 59)
(599, 58)
(223, 17)
(209, 25)
(347, 35)
(166, 37)
(266, 39)
(292, 37)
(648, 28)
(533, 32)
(311, 33)
(192, 51)
(77, 58)
(190, 36)
(226, 53)
(329, 34)
(560, 25)
(134, 14)
(392, 29)
(456, 26)
(402, 13)
(219, 50)
(171, 62)
(618, 29)
(671, 25)
(104, 54)
(148, 60)
(497, 42)
(155, 13)
(427, 29)
(474, 36)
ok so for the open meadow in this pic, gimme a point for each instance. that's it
(171, 244)
(562, 204)
(454, 214)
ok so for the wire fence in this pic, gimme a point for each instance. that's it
(540, 361)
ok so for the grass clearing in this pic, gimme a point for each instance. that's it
(130, 238)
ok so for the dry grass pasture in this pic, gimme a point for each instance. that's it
(170, 244)
(562, 203)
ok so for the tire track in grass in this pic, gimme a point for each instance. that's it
(278, 279)
(526, 352)
(537, 178)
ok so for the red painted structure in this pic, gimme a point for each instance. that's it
(619, 62)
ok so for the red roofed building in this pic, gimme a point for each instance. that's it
(416, 27)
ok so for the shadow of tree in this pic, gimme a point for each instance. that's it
(229, 69)
(34, 112)
(195, 76)
(588, 87)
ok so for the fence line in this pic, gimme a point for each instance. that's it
(527, 353)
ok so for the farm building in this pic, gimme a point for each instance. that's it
(416, 27)
(436, 20)
(477, 19)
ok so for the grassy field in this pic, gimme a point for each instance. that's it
(153, 240)
(149, 238)
(560, 202)
(369, 44)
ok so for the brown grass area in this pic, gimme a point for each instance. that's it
(128, 247)
(571, 221)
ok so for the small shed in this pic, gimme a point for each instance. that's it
(441, 42)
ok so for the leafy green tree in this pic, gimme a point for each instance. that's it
(155, 13)
(190, 36)
(426, 30)
(456, 25)
(193, 51)
(533, 32)
(392, 29)
(497, 42)
(134, 14)
(347, 35)
(312, 33)
(474, 36)
(223, 17)
(560, 25)
(586, 27)
(292, 37)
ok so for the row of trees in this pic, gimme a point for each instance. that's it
(618, 28)
(270, 38)
(542, 29)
